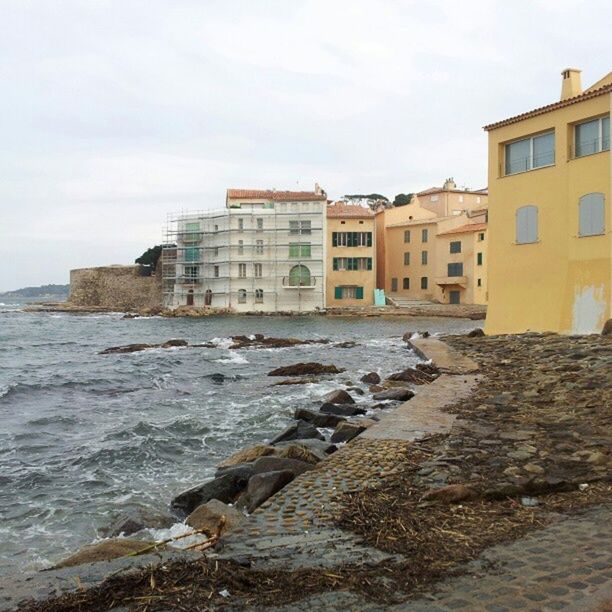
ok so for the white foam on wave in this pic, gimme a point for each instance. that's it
(222, 343)
(178, 529)
(233, 357)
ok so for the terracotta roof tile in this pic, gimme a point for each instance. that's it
(340, 209)
(276, 196)
(464, 229)
(433, 190)
(588, 94)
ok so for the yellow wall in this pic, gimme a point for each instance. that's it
(359, 278)
(562, 282)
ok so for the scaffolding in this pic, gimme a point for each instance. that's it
(266, 257)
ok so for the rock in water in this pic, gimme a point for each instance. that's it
(263, 486)
(400, 394)
(106, 550)
(247, 454)
(301, 369)
(242, 470)
(135, 520)
(346, 431)
(299, 430)
(207, 517)
(225, 488)
(338, 397)
(128, 348)
(341, 409)
(372, 378)
(318, 419)
(174, 342)
(279, 464)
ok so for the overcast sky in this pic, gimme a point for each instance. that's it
(115, 112)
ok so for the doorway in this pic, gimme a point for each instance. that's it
(454, 297)
(190, 297)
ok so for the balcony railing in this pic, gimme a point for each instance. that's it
(299, 283)
(451, 280)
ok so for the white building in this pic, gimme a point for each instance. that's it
(264, 252)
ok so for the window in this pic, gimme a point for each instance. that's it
(260, 224)
(348, 293)
(481, 237)
(299, 276)
(208, 297)
(352, 263)
(241, 247)
(455, 247)
(216, 251)
(259, 296)
(479, 259)
(394, 284)
(424, 235)
(192, 272)
(242, 296)
(300, 227)
(240, 225)
(242, 270)
(433, 198)
(407, 236)
(257, 270)
(423, 282)
(530, 153)
(592, 136)
(479, 282)
(216, 271)
(406, 259)
(216, 228)
(527, 224)
(455, 269)
(591, 215)
(259, 247)
(299, 249)
(192, 254)
(192, 232)
(424, 257)
(406, 283)
(351, 239)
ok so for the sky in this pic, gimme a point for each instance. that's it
(114, 113)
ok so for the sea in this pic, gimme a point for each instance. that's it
(85, 437)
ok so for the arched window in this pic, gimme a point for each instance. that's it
(527, 224)
(190, 297)
(591, 214)
(299, 276)
(208, 297)
(259, 296)
(242, 296)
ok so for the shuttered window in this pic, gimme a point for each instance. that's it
(394, 284)
(338, 293)
(407, 236)
(406, 259)
(406, 283)
(359, 293)
(424, 282)
(455, 247)
(527, 224)
(455, 269)
(591, 214)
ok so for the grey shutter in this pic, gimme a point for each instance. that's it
(591, 214)
(527, 225)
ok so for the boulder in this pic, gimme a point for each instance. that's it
(263, 486)
(341, 409)
(247, 454)
(450, 494)
(225, 488)
(302, 453)
(346, 431)
(261, 341)
(317, 419)
(357, 390)
(476, 333)
(302, 369)
(607, 328)
(399, 394)
(174, 342)
(128, 348)
(317, 446)
(407, 336)
(107, 550)
(412, 375)
(338, 397)
(241, 470)
(299, 430)
(371, 378)
(375, 388)
(137, 519)
(280, 464)
(208, 516)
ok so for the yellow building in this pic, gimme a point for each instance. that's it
(550, 214)
(434, 248)
(351, 256)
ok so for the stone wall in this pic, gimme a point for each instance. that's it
(115, 288)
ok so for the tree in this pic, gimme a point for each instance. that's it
(150, 257)
(370, 197)
(401, 199)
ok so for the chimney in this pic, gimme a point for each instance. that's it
(449, 183)
(570, 85)
(317, 189)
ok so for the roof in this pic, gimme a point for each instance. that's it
(343, 210)
(272, 194)
(464, 229)
(433, 190)
(585, 95)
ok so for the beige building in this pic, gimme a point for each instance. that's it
(351, 255)
(434, 248)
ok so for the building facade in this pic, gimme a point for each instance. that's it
(434, 249)
(351, 255)
(264, 252)
(550, 215)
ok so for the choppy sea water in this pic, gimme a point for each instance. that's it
(85, 436)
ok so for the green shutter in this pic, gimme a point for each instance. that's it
(338, 293)
(335, 263)
(369, 238)
(305, 250)
(334, 238)
(369, 263)
(294, 250)
(359, 293)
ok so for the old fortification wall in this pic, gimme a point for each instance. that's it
(115, 288)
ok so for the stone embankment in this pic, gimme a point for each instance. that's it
(497, 467)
